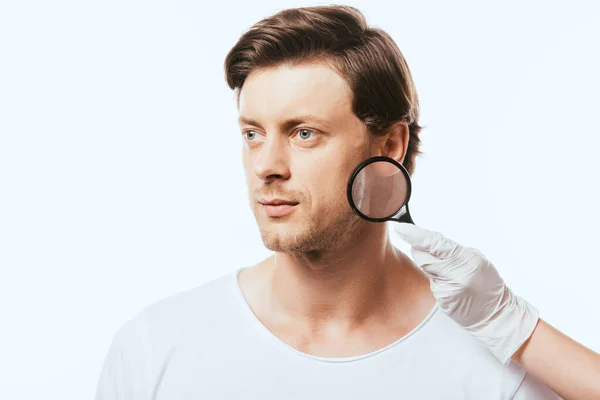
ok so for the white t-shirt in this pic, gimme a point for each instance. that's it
(207, 343)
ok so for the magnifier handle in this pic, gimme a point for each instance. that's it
(405, 217)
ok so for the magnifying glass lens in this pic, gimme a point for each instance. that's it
(379, 189)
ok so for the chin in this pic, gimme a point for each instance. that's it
(282, 241)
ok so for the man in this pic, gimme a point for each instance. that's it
(336, 311)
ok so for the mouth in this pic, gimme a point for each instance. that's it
(278, 210)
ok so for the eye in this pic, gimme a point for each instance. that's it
(303, 133)
(249, 134)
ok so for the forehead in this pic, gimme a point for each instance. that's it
(283, 91)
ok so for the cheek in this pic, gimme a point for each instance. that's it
(247, 162)
(327, 189)
(248, 166)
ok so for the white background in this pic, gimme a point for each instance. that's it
(120, 161)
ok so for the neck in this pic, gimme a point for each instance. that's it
(352, 283)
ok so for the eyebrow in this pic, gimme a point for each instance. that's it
(289, 123)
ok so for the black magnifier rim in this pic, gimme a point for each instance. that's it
(359, 168)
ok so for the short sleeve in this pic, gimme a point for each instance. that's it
(533, 389)
(125, 374)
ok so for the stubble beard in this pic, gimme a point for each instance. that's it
(316, 236)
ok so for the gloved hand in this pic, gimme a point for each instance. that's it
(469, 290)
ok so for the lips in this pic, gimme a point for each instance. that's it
(278, 202)
(278, 210)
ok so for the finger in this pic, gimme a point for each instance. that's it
(432, 242)
(423, 258)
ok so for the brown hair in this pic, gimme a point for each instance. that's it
(367, 58)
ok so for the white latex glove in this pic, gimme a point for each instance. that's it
(469, 290)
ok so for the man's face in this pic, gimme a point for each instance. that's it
(301, 143)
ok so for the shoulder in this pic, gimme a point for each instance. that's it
(477, 367)
(204, 298)
(201, 305)
(462, 358)
(147, 337)
(167, 318)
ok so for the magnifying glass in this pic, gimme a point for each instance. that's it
(379, 189)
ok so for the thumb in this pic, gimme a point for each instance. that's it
(434, 243)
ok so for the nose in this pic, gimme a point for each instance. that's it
(272, 162)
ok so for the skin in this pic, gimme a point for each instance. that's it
(568, 368)
(334, 286)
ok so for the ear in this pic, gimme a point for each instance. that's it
(395, 143)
